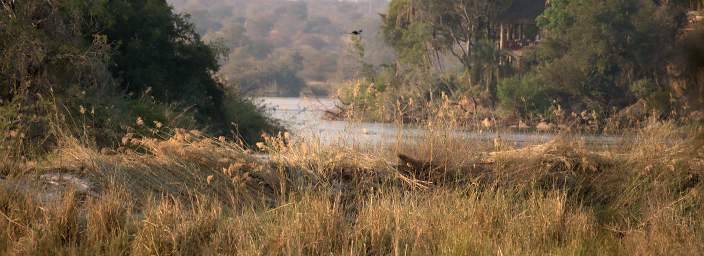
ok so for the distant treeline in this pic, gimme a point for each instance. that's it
(280, 48)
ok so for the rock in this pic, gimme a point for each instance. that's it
(50, 187)
(54, 185)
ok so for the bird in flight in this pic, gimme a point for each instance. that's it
(356, 32)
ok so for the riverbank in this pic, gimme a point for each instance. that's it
(470, 117)
(307, 117)
(191, 194)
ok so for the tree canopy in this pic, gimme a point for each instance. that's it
(118, 63)
(598, 55)
(158, 50)
(603, 54)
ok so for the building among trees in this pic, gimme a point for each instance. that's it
(518, 29)
(517, 26)
(696, 13)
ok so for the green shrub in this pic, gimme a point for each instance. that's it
(66, 79)
(524, 95)
(247, 119)
(642, 88)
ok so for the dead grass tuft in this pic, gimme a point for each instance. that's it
(190, 194)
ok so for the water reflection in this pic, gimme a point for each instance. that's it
(304, 117)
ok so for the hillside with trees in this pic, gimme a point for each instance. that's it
(285, 47)
(94, 70)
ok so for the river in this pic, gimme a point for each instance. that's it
(304, 117)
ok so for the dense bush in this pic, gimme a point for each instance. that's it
(607, 53)
(92, 69)
(158, 50)
(601, 56)
(47, 67)
(525, 95)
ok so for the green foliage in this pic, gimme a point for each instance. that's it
(47, 68)
(485, 62)
(247, 120)
(65, 65)
(408, 38)
(421, 32)
(600, 55)
(606, 53)
(274, 75)
(366, 70)
(558, 15)
(525, 95)
(414, 27)
(159, 50)
(690, 57)
(642, 88)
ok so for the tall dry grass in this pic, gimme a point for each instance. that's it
(187, 193)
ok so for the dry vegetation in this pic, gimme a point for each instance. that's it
(191, 194)
(66, 189)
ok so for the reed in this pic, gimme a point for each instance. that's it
(183, 193)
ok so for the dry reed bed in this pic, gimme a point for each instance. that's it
(190, 194)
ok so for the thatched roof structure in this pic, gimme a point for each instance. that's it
(523, 12)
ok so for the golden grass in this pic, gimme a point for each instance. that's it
(190, 194)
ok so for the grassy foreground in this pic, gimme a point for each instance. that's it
(190, 194)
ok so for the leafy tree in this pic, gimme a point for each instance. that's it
(290, 19)
(47, 68)
(422, 31)
(64, 66)
(321, 25)
(272, 76)
(159, 50)
(259, 27)
(597, 49)
(690, 65)
(232, 36)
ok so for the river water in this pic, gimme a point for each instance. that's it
(304, 117)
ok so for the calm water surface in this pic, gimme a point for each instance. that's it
(304, 117)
